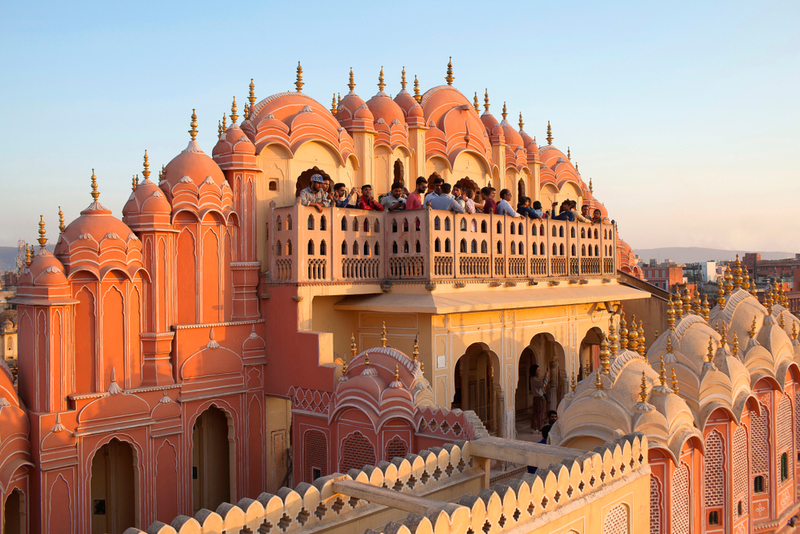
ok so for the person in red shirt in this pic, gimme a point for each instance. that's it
(414, 200)
(366, 202)
(489, 205)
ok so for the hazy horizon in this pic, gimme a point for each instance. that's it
(687, 118)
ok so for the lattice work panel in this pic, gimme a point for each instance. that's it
(714, 462)
(784, 433)
(740, 476)
(655, 505)
(315, 453)
(357, 451)
(797, 419)
(760, 442)
(680, 500)
(616, 520)
(396, 448)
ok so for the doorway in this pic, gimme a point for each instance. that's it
(114, 488)
(211, 480)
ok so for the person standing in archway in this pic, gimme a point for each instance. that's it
(536, 386)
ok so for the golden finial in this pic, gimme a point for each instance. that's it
(403, 78)
(670, 311)
(696, 304)
(476, 104)
(352, 84)
(366, 360)
(623, 333)
(569, 154)
(163, 174)
(338, 101)
(396, 373)
(549, 134)
(633, 336)
(735, 344)
(449, 78)
(193, 124)
(728, 280)
(234, 116)
(781, 322)
(752, 331)
(591, 187)
(381, 85)
(299, 81)
(746, 279)
(794, 331)
(383, 334)
(687, 302)
(333, 105)
(486, 101)
(60, 221)
(704, 309)
(675, 389)
(612, 338)
(42, 239)
(521, 124)
(783, 297)
(721, 292)
(605, 364)
(422, 367)
(224, 123)
(678, 304)
(134, 182)
(146, 171)
(505, 111)
(724, 335)
(246, 112)
(353, 348)
(737, 273)
(643, 389)
(252, 97)
(768, 299)
(662, 372)
(640, 339)
(415, 354)
(417, 95)
(95, 193)
(28, 255)
(572, 383)
(669, 343)
(219, 129)
(710, 355)
(598, 381)
(716, 326)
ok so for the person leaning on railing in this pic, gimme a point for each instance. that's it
(414, 200)
(564, 212)
(343, 199)
(313, 195)
(489, 204)
(394, 201)
(443, 200)
(524, 208)
(366, 202)
(504, 206)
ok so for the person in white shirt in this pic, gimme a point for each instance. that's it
(504, 206)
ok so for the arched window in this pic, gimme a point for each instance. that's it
(416, 224)
(463, 245)
(596, 250)
(377, 249)
(366, 224)
(366, 248)
(278, 223)
(344, 248)
(473, 247)
(344, 224)
(278, 249)
(499, 247)
(474, 225)
(555, 250)
(541, 230)
(357, 451)
(394, 247)
(541, 249)
(555, 234)
(595, 233)
(499, 227)
(583, 232)
(288, 247)
(355, 248)
(405, 225)
(418, 247)
(583, 250)
(483, 227)
(436, 223)
(463, 225)
(323, 248)
(513, 228)
(394, 226)
(355, 224)
(447, 224)
(437, 246)
(310, 222)
(572, 232)
(484, 247)
(513, 246)
(519, 228)
(533, 229)
(447, 244)
(534, 249)
(405, 247)
(323, 223)
(573, 249)
(561, 231)
(288, 222)
(310, 247)
(561, 249)
(376, 226)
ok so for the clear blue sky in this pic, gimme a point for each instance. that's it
(686, 116)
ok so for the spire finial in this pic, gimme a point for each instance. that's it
(415, 354)
(146, 171)
(604, 354)
(724, 333)
(95, 193)
(403, 79)
(623, 332)
(735, 344)
(246, 112)
(794, 331)
(28, 255)
(633, 336)
(134, 182)
(710, 354)
(675, 389)
(486, 101)
(42, 239)
(728, 280)
(669, 343)
(334, 109)
(612, 338)
(598, 381)
(781, 322)
(752, 332)
(449, 78)
(576, 168)
(224, 123)
(678, 304)
(662, 372)
(338, 101)
(219, 129)
(549, 134)
(234, 116)
(569, 154)
(687, 302)
(745, 278)
(476, 104)
(353, 348)
(60, 221)
(704, 309)
(381, 85)
(521, 124)
(383, 334)
(643, 389)
(505, 111)
(721, 292)
(737, 273)
(163, 174)
(671, 311)
(768, 299)
(417, 95)
(591, 187)
(193, 124)
(366, 360)
(572, 383)
(640, 339)
(696, 303)
(299, 81)
(396, 373)
(252, 97)
(352, 84)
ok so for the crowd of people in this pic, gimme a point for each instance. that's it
(323, 193)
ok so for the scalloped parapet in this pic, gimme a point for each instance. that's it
(559, 492)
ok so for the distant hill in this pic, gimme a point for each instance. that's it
(7, 255)
(697, 254)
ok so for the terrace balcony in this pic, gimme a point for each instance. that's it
(350, 245)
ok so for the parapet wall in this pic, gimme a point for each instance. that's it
(446, 483)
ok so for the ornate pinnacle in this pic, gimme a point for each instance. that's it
(612, 338)
(163, 174)
(623, 333)
(246, 112)
(134, 182)
(687, 303)
(505, 111)
(146, 171)
(696, 305)
(640, 339)
(735, 344)
(417, 95)
(598, 381)
(95, 193)
(728, 280)
(60, 221)
(234, 116)
(219, 129)
(662, 372)
(746, 280)
(710, 355)
(704, 310)
(737, 273)
(591, 187)
(352, 84)
(449, 78)
(381, 85)
(569, 154)
(724, 333)
(678, 304)
(794, 331)
(572, 383)
(338, 101)
(669, 343)
(396, 373)
(604, 353)
(721, 292)
(476, 104)
(521, 124)
(768, 299)
(675, 389)
(781, 322)
(549, 134)
(224, 123)
(671, 311)
(193, 124)
(633, 336)
(415, 354)
(353, 348)
(383, 334)
(252, 97)
(28, 255)
(299, 79)
(366, 360)
(486, 101)
(643, 389)
(752, 331)
(333, 105)
(42, 239)
(403, 79)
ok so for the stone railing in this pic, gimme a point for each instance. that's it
(357, 245)
(530, 499)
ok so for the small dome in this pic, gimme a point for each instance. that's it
(45, 270)
(513, 138)
(233, 141)
(416, 112)
(383, 107)
(195, 164)
(147, 198)
(97, 224)
(406, 101)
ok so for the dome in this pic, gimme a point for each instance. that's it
(353, 113)
(383, 107)
(194, 164)
(406, 101)
(513, 138)
(233, 141)
(390, 122)
(44, 277)
(146, 199)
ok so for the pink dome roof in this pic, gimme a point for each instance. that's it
(192, 163)
(146, 198)
(45, 270)
(406, 101)
(383, 107)
(233, 141)
(513, 138)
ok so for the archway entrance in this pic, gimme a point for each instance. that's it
(477, 385)
(589, 354)
(305, 178)
(549, 354)
(521, 189)
(14, 517)
(467, 183)
(114, 488)
(211, 481)
(522, 402)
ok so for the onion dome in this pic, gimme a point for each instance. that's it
(492, 126)
(389, 119)
(409, 105)
(513, 138)
(98, 242)
(190, 166)
(234, 150)
(44, 278)
(147, 206)
(353, 113)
